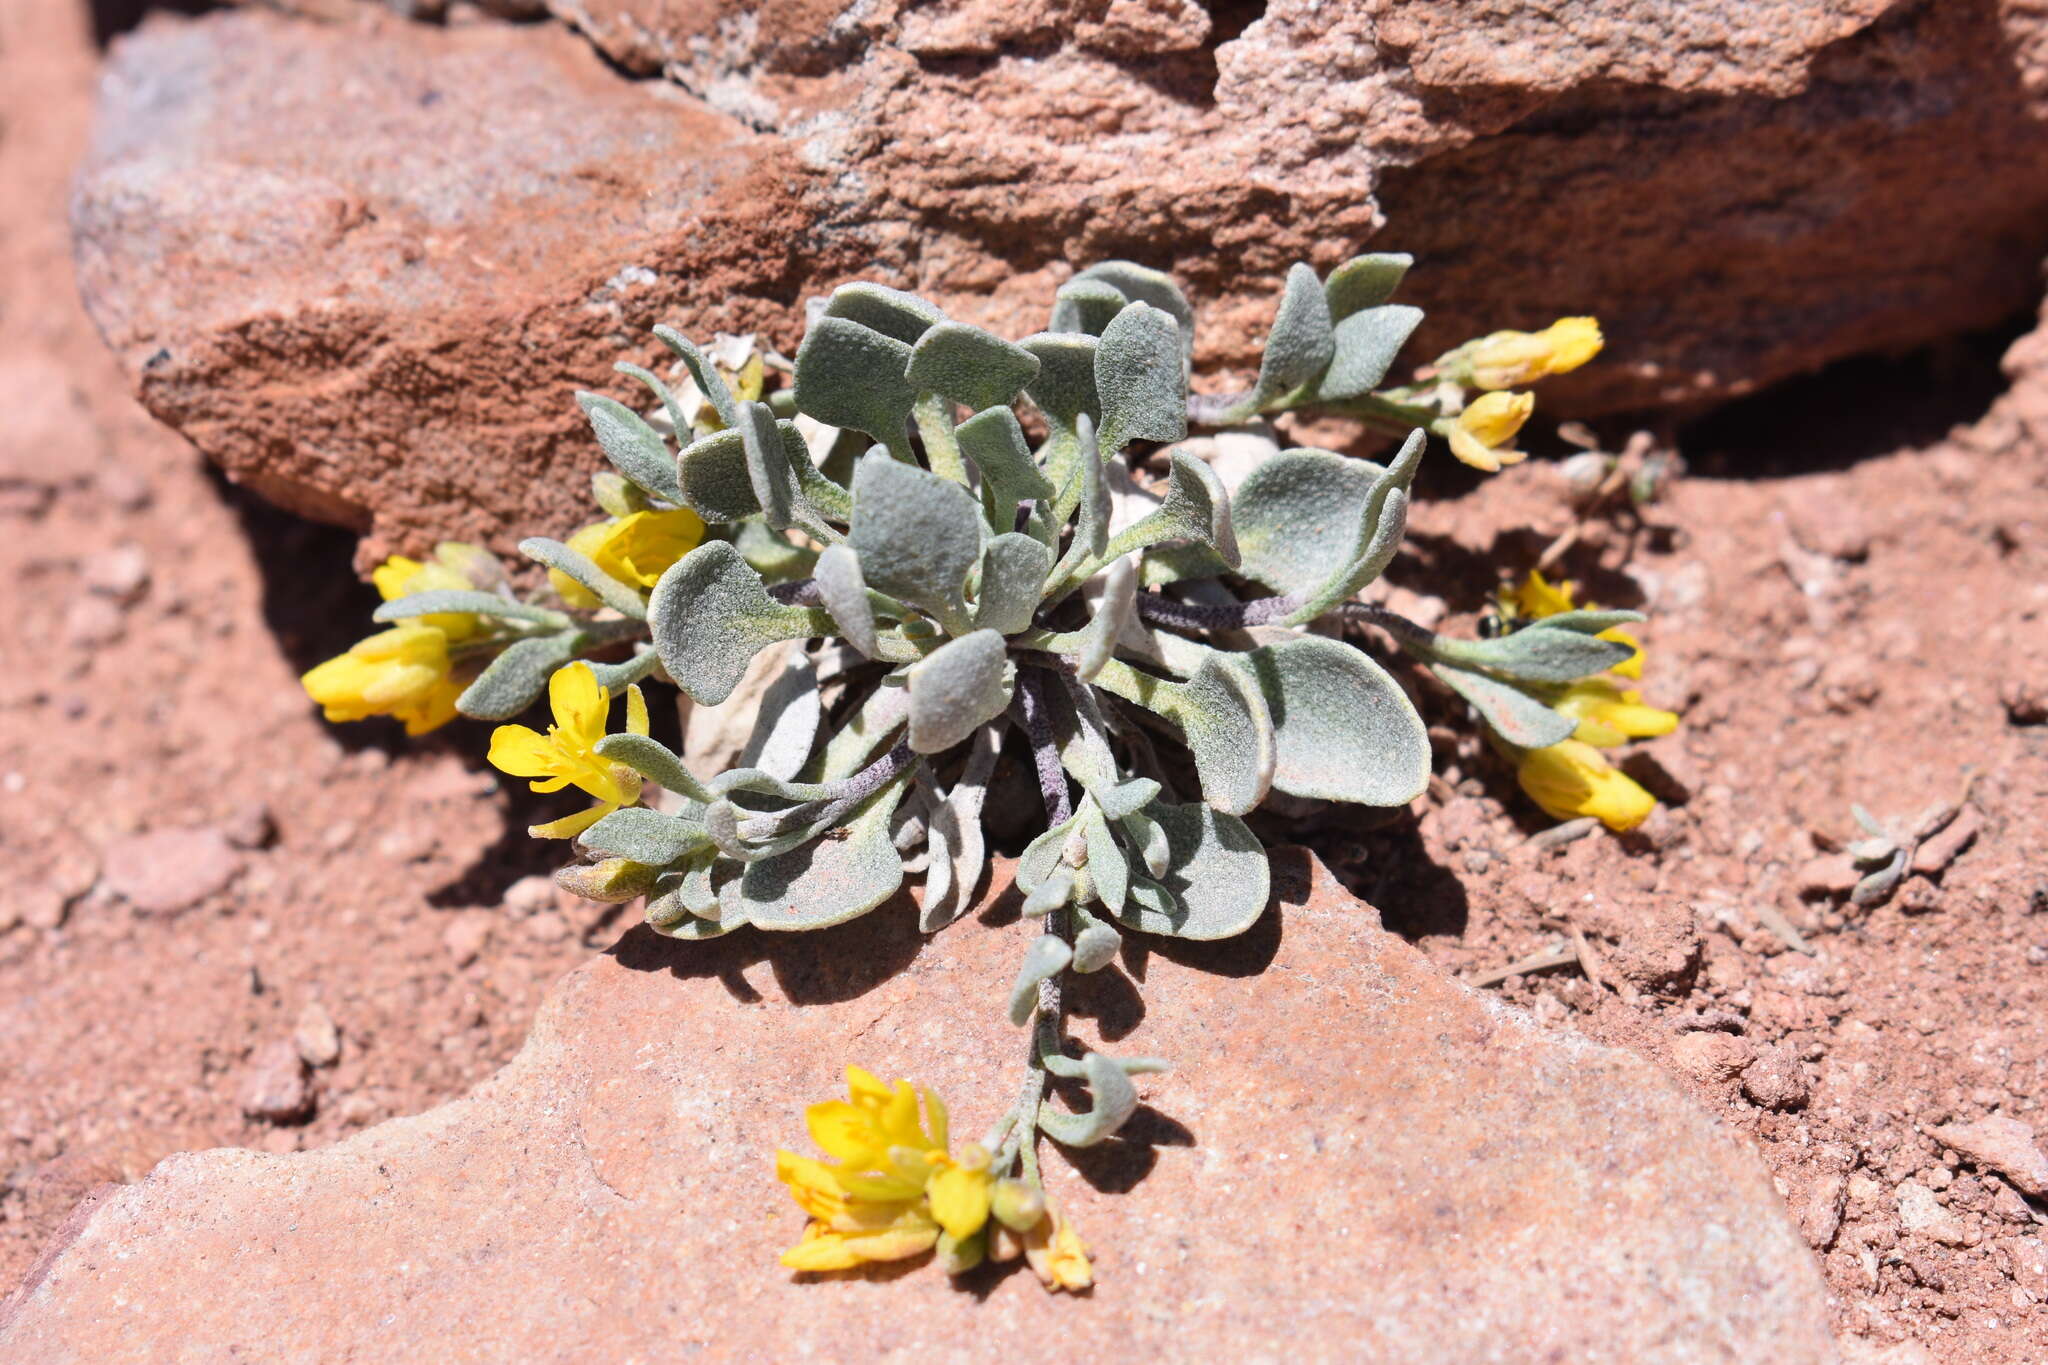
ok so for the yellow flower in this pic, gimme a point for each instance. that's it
(1057, 1253)
(1573, 779)
(400, 577)
(1536, 598)
(895, 1188)
(1608, 716)
(1507, 359)
(402, 672)
(633, 549)
(567, 754)
(1482, 431)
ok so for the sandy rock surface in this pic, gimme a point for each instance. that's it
(367, 289)
(1357, 1155)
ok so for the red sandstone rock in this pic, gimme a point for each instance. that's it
(1356, 1156)
(367, 290)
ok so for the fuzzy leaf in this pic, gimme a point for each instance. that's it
(955, 689)
(1112, 613)
(1109, 872)
(1096, 947)
(1047, 956)
(635, 448)
(1085, 305)
(837, 574)
(654, 761)
(1013, 571)
(1344, 730)
(1216, 882)
(645, 836)
(713, 480)
(442, 600)
(711, 616)
(1535, 653)
(1364, 282)
(1196, 509)
(1382, 522)
(1144, 393)
(1115, 1099)
(994, 441)
(1591, 621)
(786, 726)
(1223, 720)
(1146, 285)
(827, 881)
(917, 536)
(956, 826)
(709, 382)
(1128, 798)
(1365, 346)
(516, 678)
(1517, 717)
(579, 566)
(906, 317)
(970, 366)
(1300, 346)
(1065, 387)
(1296, 517)
(848, 375)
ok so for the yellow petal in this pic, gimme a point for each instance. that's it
(1608, 716)
(1632, 666)
(432, 711)
(1538, 598)
(1571, 779)
(569, 826)
(392, 575)
(936, 1120)
(811, 1184)
(1470, 450)
(959, 1199)
(820, 1250)
(520, 751)
(636, 710)
(579, 704)
(845, 1132)
(862, 1084)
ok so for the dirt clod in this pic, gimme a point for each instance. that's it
(274, 1086)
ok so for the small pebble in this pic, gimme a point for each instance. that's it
(168, 870)
(92, 621)
(250, 826)
(1921, 1212)
(316, 1037)
(121, 573)
(466, 936)
(1776, 1080)
(274, 1085)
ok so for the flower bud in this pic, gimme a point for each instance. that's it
(1017, 1205)
(611, 881)
(958, 1255)
(616, 494)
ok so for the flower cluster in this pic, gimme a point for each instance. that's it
(894, 1190)
(1572, 778)
(408, 672)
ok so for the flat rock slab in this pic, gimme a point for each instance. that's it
(1357, 1157)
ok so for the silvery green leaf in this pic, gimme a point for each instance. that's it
(1196, 509)
(1041, 857)
(970, 366)
(1108, 870)
(672, 410)
(711, 615)
(786, 726)
(1296, 517)
(579, 566)
(1872, 889)
(654, 761)
(1059, 1064)
(1344, 729)
(1365, 282)
(699, 889)
(1127, 798)
(1013, 571)
(722, 824)
(614, 678)
(1112, 613)
(1047, 956)
(630, 444)
(956, 825)
(1089, 492)
(1222, 719)
(464, 600)
(708, 381)
(1300, 346)
(848, 375)
(839, 581)
(1083, 738)
(1096, 947)
(1144, 832)
(1365, 345)
(1534, 654)
(645, 836)
(1591, 622)
(783, 478)
(1053, 891)
(770, 553)
(1146, 285)
(827, 881)
(917, 534)
(1065, 387)
(1216, 883)
(1143, 391)
(888, 311)
(1517, 717)
(1876, 849)
(994, 441)
(866, 731)
(1085, 305)
(713, 480)
(516, 678)
(955, 689)
(1377, 537)
(1115, 1099)
(1871, 824)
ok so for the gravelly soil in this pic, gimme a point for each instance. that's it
(1866, 629)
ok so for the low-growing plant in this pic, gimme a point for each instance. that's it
(956, 526)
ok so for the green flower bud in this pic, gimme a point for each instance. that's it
(612, 881)
(1017, 1204)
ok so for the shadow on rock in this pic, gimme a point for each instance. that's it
(1390, 869)
(823, 967)
(1118, 1164)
